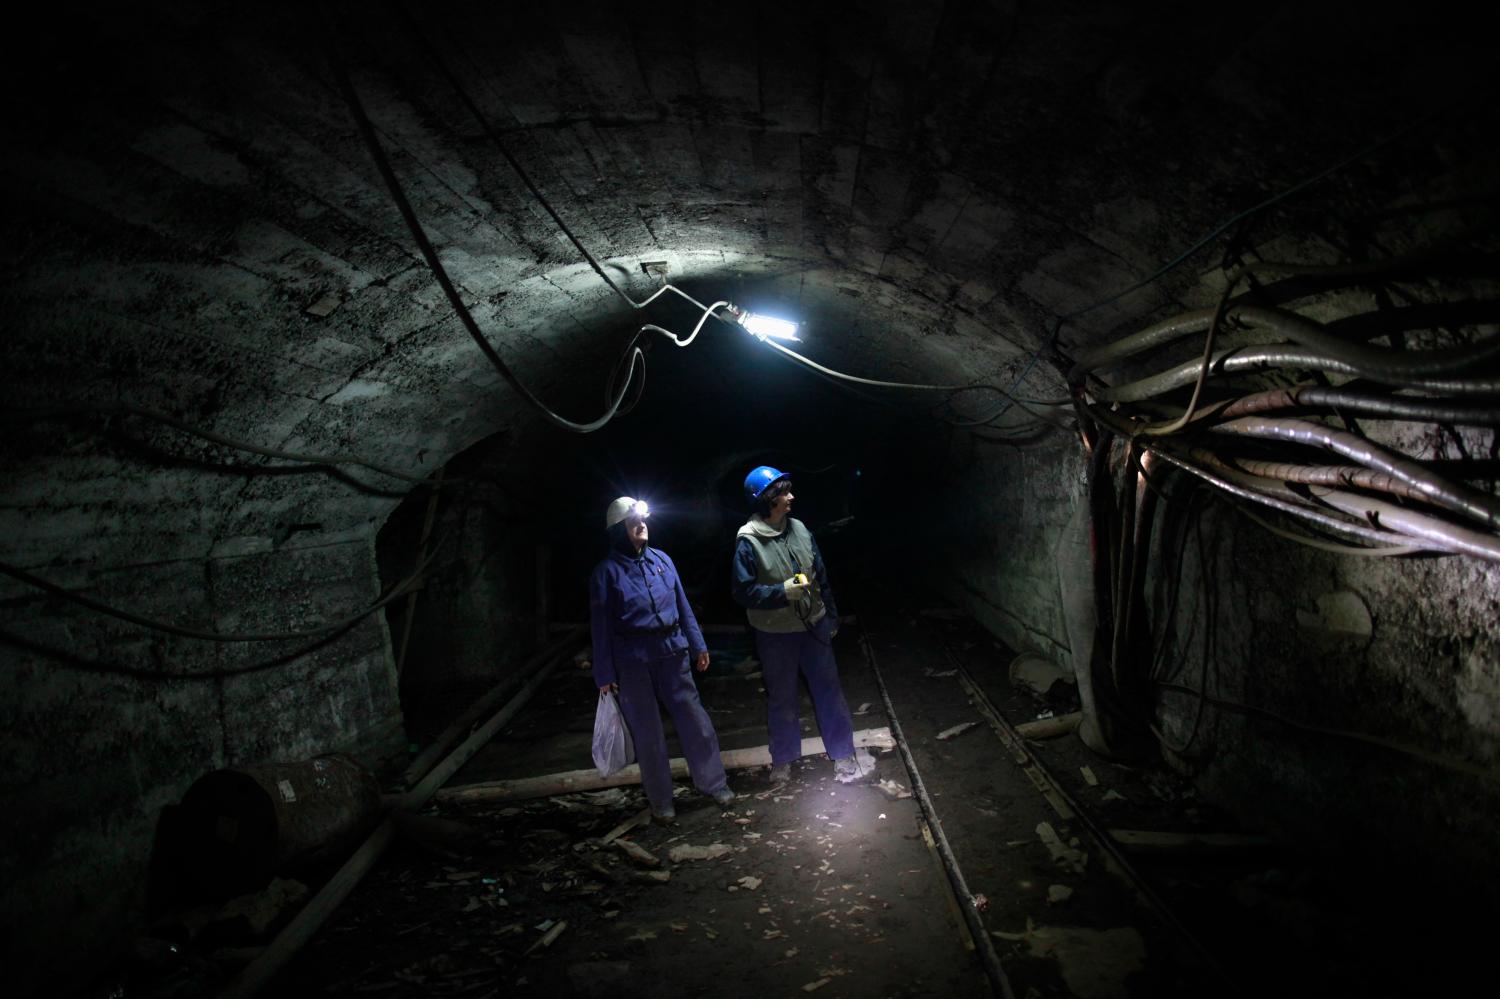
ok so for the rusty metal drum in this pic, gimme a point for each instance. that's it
(249, 823)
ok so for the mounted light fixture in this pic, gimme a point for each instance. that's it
(762, 326)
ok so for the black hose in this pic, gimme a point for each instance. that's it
(1349, 476)
(1242, 359)
(1459, 498)
(1336, 525)
(1400, 407)
(440, 273)
(43, 413)
(348, 620)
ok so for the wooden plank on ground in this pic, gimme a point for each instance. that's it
(1050, 728)
(487, 703)
(545, 786)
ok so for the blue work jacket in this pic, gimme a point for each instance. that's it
(638, 612)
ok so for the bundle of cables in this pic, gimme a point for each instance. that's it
(1256, 416)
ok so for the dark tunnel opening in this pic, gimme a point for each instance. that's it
(705, 417)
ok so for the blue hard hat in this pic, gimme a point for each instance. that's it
(759, 480)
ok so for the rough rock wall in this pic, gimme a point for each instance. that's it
(104, 725)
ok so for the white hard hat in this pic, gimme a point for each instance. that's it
(622, 508)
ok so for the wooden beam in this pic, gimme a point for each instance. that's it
(546, 786)
(255, 975)
(295, 935)
(465, 722)
(1050, 728)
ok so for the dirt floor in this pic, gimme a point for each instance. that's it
(820, 888)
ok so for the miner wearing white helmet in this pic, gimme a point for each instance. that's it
(644, 633)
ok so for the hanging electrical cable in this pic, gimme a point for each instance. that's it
(45, 413)
(183, 631)
(483, 121)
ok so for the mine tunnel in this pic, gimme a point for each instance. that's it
(1133, 367)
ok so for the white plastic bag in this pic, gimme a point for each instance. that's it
(613, 748)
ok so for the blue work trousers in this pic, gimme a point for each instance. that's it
(782, 658)
(667, 681)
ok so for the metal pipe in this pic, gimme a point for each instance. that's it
(1431, 530)
(1411, 525)
(1291, 504)
(983, 945)
(1351, 476)
(1241, 359)
(1336, 525)
(1459, 498)
(1387, 362)
(1400, 407)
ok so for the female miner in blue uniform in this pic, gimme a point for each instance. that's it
(644, 631)
(780, 580)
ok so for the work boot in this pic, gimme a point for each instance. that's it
(780, 773)
(846, 770)
(667, 818)
(724, 797)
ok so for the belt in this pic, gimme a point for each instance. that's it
(665, 632)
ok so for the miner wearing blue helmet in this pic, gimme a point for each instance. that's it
(781, 581)
(644, 633)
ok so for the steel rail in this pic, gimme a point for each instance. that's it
(1069, 810)
(983, 945)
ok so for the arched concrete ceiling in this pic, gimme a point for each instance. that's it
(195, 226)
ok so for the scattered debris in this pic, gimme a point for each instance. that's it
(929, 671)
(815, 986)
(637, 853)
(1065, 856)
(1094, 963)
(552, 934)
(641, 818)
(863, 708)
(981, 902)
(749, 883)
(435, 834)
(1037, 673)
(1113, 795)
(958, 729)
(687, 851)
(893, 790)
(267, 908)
(1058, 893)
(1088, 777)
(1050, 727)
(651, 877)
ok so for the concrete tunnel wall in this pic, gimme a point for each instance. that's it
(192, 225)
